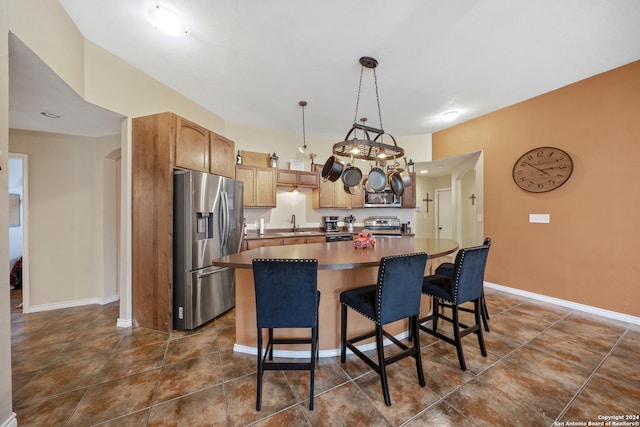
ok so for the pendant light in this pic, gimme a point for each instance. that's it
(366, 148)
(304, 137)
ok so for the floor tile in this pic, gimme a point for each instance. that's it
(189, 376)
(440, 415)
(204, 408)
(345, 405)
(114, 399)
(51, 410)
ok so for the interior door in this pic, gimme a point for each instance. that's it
(444, 214)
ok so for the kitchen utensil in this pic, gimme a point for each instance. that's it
(377, 179)
(351, 176)
(351, 190)
(332, 169)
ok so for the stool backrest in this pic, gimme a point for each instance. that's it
(468, 273)
(286, 292)
(399, 286)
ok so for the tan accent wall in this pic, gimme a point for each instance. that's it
(587, 253)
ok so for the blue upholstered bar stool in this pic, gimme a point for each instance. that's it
(446, 269)
(451, 291)
(287, 296)
(396, 296)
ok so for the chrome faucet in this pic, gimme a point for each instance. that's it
(293, 221)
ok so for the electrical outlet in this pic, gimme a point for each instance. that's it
(539, 218)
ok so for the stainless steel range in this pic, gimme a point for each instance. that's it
(383, 226)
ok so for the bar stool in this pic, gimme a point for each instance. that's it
(446, 269)
(287, 296)
(396, 296)
(463, 286)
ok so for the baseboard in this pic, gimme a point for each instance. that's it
(73, 303)
(12, 421)
(304, 354)
(124, 323)
(568, 304)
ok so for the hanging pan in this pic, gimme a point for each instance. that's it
(332, 169)
(351, 176)
(377, 179)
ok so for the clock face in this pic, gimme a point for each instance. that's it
(542, 169)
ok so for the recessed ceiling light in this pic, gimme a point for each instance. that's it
(50, 115)
(424, 171)
(167, 21)
(449, 116)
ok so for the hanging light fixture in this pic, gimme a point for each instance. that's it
(304, 137)
(367, 148)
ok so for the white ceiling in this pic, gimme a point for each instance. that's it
(251, 61)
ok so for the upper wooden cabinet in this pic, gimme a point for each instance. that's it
(192, 145)
(223, 152)
(290, 178)
(332, 195)
(259, 186)
(199, 149)
(409, 195)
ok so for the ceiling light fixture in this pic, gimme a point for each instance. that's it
(367, 148)
(304, 137)
(50, 115)
(167, 21)
(449, 116)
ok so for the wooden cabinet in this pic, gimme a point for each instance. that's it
(409, 195)
(259, 186)
(222, 155)
(282, 241)
(332, 195)
(291, 178)
(192, 145)
(160, 144)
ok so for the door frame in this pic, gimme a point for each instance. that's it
(24, 158)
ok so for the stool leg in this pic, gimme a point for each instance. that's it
(458, 340)
(270, 344)
(343, 332)
(314, 347)
(485, 313)
(259, 373)
(434, 310)
(478, 307)
(413, 321)
(381, 364)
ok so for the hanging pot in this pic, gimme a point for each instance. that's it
(377, 179)
(351, 190)
(332, 169)
(351, 176)
(404, 173)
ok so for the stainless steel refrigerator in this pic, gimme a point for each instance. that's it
(207, 224)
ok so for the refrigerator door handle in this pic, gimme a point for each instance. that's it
(210, 271)
(226, 218)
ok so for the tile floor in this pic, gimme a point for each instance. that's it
(546, 366)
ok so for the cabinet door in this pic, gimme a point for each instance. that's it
(261, 243)
(317, 239)
(265, 187)
(357, 200)
(287, 177)
(308, 179)
(222, 157)
(324, 195)
(294, 241)
(247, 175)
(341, 198)
(192, 146)
(409, 195)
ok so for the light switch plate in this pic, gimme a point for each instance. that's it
(539, 218)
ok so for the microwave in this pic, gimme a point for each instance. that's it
(382, 199)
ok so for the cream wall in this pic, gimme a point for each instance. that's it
(65, 215)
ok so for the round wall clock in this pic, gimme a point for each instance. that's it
(542, 169)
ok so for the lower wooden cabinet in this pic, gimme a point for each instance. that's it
(282, 241)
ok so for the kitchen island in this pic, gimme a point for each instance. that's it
(340, 267)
